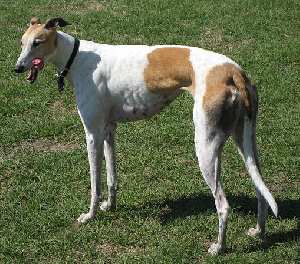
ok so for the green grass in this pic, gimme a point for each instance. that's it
(165, 211)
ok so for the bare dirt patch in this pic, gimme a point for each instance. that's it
(47, 145)
(38, 145)
(59, 107)
(112, 249)
(94, 5)
(74, 8)
(215, 39)
(282, 183)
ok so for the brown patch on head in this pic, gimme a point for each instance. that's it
(221, 82)
(169, 69)
(38, 31)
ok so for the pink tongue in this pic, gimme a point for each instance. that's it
(38, 63)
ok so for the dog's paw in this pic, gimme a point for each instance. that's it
(215, 249)
(107, 206)
(256, 232)
(83, 218)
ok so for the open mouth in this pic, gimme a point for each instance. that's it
(37, 65)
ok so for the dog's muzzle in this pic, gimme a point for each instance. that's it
(37, 64)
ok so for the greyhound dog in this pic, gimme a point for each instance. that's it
(115, 83)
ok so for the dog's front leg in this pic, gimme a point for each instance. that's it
(94, 141)
(110, 160)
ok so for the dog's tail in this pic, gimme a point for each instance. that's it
(252, 164)
(245, 136)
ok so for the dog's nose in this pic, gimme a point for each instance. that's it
(19, 69)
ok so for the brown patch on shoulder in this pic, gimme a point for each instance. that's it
(169, 69)
(221, 81)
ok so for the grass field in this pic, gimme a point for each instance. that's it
(165, 212)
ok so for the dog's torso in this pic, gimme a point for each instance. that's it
(135, 81)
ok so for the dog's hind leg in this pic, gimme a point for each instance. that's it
(110, 159)
(208, 144)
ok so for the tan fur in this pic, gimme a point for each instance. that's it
(169, 69)
(38, 31)
(220, 81)
(35, 20)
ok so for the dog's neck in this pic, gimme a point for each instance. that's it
(65, 45)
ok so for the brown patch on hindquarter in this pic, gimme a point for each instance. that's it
(169, 69)
(218, 100)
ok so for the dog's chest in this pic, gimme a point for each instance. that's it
(140, 104)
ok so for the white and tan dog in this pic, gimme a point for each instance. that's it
(127, 83)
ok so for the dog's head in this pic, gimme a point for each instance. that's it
(38, 44)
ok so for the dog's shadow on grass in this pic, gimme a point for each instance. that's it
(188, 206)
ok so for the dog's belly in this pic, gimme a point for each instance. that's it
(137, 106)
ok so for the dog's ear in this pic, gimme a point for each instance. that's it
(34, 21)
(56, 22)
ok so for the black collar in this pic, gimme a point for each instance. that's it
(63, 74)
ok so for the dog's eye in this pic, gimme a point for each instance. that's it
(36, 43)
